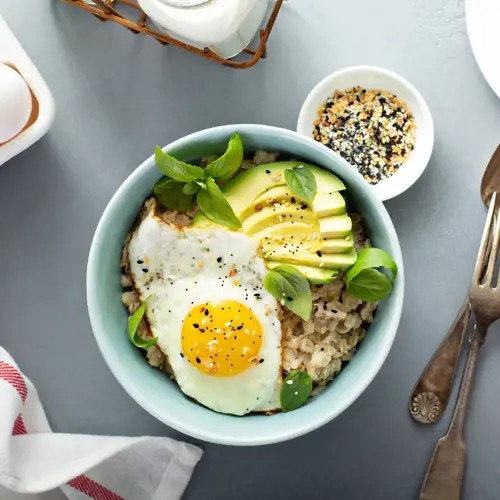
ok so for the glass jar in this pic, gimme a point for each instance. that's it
(224, 26)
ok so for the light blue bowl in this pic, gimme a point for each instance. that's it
(151, 388)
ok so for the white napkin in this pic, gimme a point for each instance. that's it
(34, 460)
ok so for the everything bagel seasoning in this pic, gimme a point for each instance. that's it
(373, 130)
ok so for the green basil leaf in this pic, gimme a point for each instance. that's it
(133, 324)
(373, 258)
(295, 390)
(191, 187)
(291, 288)
(229, 163)
(175, 169)
(369, 285)
(169, 194)
(201, 184)
(213, 204)
(301, 181)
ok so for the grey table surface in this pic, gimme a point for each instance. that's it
(119, 95)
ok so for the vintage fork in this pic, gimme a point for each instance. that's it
(443, 480)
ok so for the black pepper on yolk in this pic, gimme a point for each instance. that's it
(222, 339)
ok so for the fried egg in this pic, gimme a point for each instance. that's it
(213, 319)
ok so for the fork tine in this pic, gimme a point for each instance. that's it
(481, 256)
(490, 271)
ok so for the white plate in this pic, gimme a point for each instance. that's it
(483, 26)
(371, 77)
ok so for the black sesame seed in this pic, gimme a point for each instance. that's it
(318, 253)
(196, 325)
(144, 270)
(202, 330)
(182, 355)
(207, 312)
(268, 171)
(140, 262)
(219, 259)
(198, 360)
(261, 360)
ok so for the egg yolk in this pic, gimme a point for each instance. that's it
(221, 339)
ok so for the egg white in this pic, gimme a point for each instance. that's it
(182, 272)
(15, 103)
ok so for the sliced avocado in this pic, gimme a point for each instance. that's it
(286, 231)
(296, 254)
(308, 240)
(335, 226)
(336, 245)
(315, 275)
(241, 191)
(275, 195)
(324, 204)
(271, 215)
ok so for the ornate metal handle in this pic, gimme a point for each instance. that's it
(443, 480)
(432, 391)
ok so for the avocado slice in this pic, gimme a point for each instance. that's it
(324, 204)
(241, 191)
(287, 232)
(307, 237)
(315, 275)
(336, 245)
(271, 215)
(296, 254)
(335, 226)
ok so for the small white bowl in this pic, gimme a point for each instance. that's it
(371, 77)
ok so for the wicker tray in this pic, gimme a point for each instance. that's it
(110, 10)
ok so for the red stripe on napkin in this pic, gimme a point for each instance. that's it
(93, 489)
(19, 427)
(14, 378)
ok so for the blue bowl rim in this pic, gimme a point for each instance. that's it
(306, 426)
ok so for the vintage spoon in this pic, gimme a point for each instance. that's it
(432, 391)
(446, 468)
